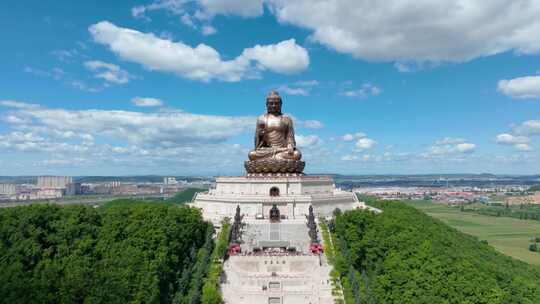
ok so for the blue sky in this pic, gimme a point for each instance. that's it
(174, 86)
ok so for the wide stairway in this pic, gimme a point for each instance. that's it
(276, 267)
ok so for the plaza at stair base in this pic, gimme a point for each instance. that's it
(256, 195)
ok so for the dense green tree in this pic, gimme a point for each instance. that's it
(128, 253)
(405, 256)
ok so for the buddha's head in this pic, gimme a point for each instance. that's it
(273, 103)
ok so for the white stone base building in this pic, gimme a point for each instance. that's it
(256, 195)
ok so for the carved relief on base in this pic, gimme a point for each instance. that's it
(274, 166)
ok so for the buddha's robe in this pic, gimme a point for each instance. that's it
(274, 138)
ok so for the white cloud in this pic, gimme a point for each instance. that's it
(401, 30)
(285, 57)
(61, 75)
(365, 91)
(449, 141)
(384, 157)
(208, 30)
(244, 8)
(173, 6)
(523, 147)
(188, 20)
(402, 67)
(146, 102)
(108, 71)
(516, 159)
(138, 11)
(366, 157)
(198, 14)
(312, 124)
(18, 104)
(65, 55)
(301, 88)
(509, 139)
(449, 146)
(204, 10)
(202, 62)
(11, 119)
(465, 147)
(293, 91)
(60, 162)
(348, 137)
(365, 143)
(362, 141)
(55, 73)
(307, 83)
(521, 87)
(349, 157)
(394, 30)
(529, 127)
(414, 66)
(83, 86)
(136, 141)
(33, 142)
(307, 140)
(519, 142)
(351, 137)
(173, 128)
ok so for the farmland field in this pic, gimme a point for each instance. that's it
(508, 235)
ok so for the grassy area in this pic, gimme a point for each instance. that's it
(179, 198)
(525, 211)
(508, 235)
(185, 196)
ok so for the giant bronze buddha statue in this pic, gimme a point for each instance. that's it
(275, 147)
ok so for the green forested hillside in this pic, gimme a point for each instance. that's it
(135, 253)
(405, 256)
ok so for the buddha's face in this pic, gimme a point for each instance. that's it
(273, 105)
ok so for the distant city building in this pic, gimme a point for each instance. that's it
(86, 189)
(125, 189)
(73, 189)
(8, 189)
(54, 181)
(170, 181)
(115, 184)
(392, 193)
(49, 193)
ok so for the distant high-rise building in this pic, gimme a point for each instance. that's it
(73, 189)
(54, 181)
(115, 184)
(7, 189)
(170, 181)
